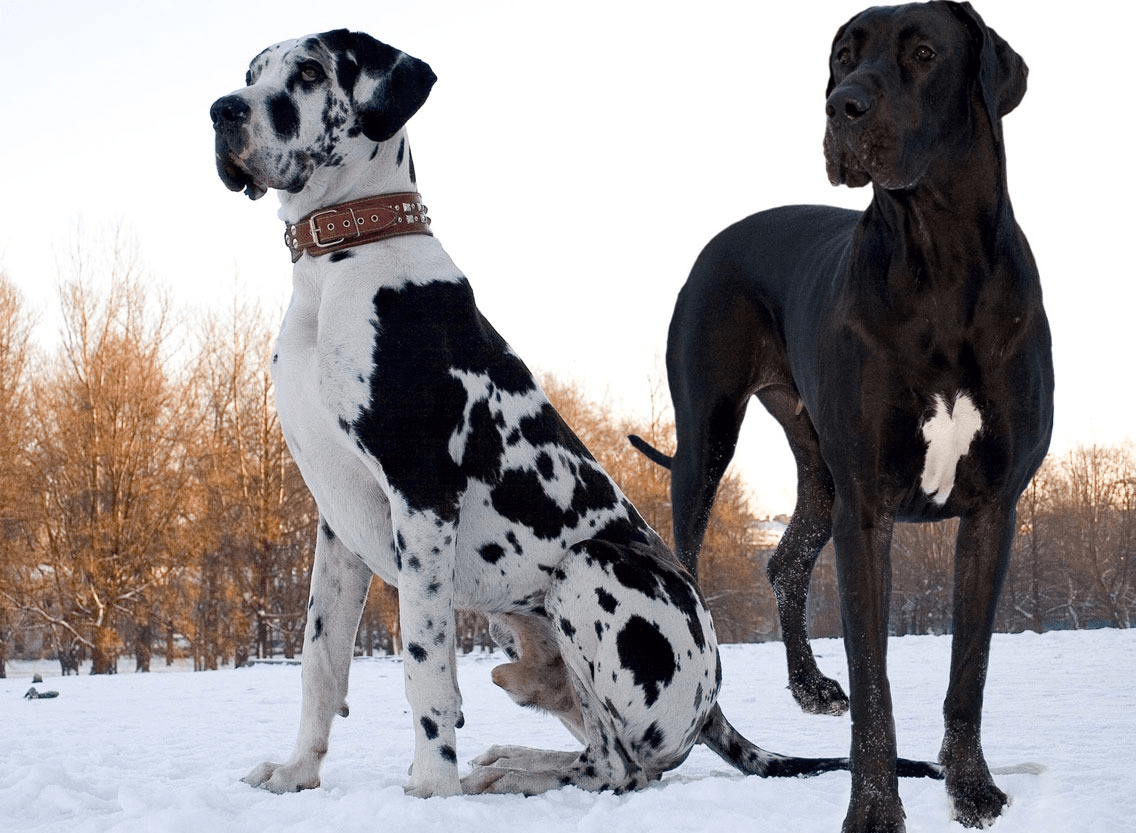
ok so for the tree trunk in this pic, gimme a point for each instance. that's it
(104, 654)
(143, 648)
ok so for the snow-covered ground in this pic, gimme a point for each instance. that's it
(165, 751)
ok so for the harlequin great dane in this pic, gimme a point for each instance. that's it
(439, 465)
(906, 354)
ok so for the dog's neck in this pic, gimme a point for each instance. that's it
(388, 171)
(962, 193)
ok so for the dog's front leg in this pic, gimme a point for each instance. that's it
(340, 581)
(981, 559)
(862, 535)
(427, 560)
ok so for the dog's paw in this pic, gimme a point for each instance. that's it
(439, 785)
(482, 779)
(492, 755)
(875, 816)
(977, 805)
(819, 695)
(282, 778)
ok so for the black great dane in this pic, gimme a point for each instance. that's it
(906, 354)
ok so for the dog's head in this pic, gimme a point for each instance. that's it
(906, 86)
(313, 102)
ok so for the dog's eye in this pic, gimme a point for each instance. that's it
(311, 73)
(924, 53)
(844, 56)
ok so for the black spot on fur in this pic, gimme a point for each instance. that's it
(417, 652)
(284, 116)
(416, 403)
(448, 754)
(342, 254)
(492, 553)
(401, 151)
(482, 458)
(317, 628)
(430, 728)
(648, 655)
(652, 738)
(344, 425)
(544, 465)
(520, 498)
(326, 530)
(607, 601)
(567, 628)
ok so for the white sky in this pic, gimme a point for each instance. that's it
(575, 158)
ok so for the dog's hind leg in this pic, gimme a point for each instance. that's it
(340, 581)
(791, 566)
(710, 395)
(537, 677)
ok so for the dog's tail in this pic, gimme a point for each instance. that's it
(649, 451)
(734, 749)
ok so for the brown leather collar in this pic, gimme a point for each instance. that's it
(356, 223)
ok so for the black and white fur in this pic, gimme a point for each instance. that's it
(438, 464)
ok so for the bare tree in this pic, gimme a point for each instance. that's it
(17, 505)
(110, 459)
(256, 518)
(1096, 494)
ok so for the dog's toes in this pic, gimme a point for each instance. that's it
(876, 816)
(482, 779)
(820, 696)
(281, 778)
(491, 756)
(978, 805)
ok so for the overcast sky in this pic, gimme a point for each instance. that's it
(575, 158)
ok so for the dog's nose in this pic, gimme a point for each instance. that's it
(850, 104)
(228, 111)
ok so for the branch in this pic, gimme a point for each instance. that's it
(31, 608)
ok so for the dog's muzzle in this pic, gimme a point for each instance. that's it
(230, 116)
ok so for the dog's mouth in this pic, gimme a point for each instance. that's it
(859, 157)
(235, 175)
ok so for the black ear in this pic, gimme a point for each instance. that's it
(388, 85)
(1001, 71)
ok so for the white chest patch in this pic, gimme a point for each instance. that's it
(948, 433)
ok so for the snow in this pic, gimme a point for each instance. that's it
(165, 751)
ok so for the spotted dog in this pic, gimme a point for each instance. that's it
(438, 464)
(905, 352)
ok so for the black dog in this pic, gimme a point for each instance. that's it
(906, 354)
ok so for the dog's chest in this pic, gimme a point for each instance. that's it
(399, 399)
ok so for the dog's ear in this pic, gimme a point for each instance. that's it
(1001, 73)
(388, 85)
